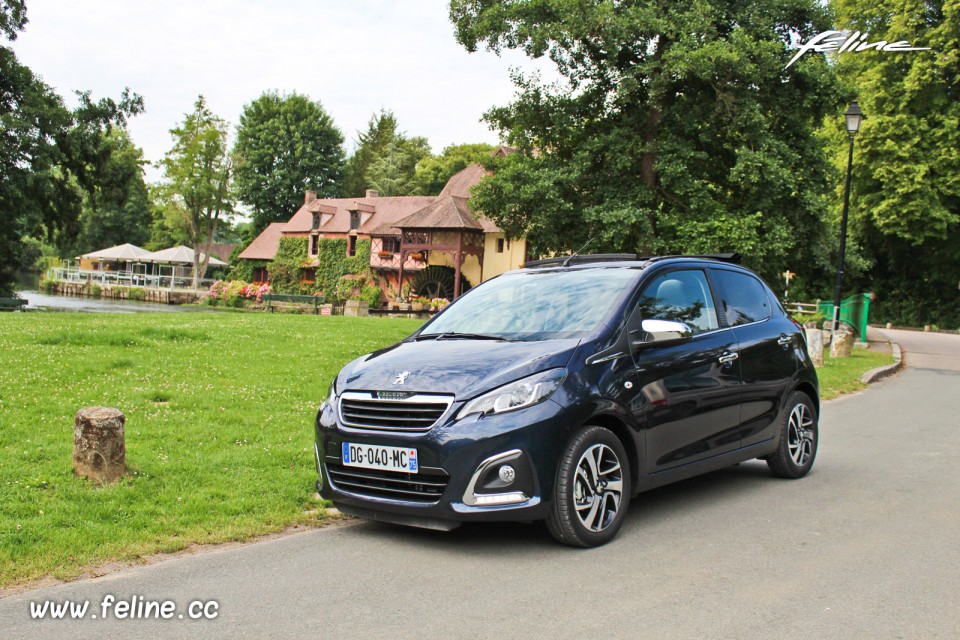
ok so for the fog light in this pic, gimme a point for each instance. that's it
(507, 474)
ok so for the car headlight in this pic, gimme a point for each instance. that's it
(516, 395)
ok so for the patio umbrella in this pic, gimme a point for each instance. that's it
(180, 255)
(120, 253)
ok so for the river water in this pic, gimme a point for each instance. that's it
(37, 301)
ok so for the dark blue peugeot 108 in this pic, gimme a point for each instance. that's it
(559, 391)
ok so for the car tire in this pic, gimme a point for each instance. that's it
(799, 435)
(591, 494)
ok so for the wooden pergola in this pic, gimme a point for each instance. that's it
(446, 226)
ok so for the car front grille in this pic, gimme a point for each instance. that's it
(426, 486)
(392, 411)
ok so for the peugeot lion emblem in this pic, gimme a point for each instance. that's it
(401, 377)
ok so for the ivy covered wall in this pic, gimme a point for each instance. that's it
(334, 262)
(286, 270)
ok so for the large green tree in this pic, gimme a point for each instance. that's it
(197, 186)
(677, 129)
(386, 159)
(434, 172)
(286, 144)
(50, 156)
(117, 209)
(905, 195)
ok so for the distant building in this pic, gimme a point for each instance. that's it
(421, 241)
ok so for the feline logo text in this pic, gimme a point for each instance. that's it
(841, 42)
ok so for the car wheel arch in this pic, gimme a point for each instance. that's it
(807, 389)
(626, 436)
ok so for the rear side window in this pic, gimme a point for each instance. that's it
(743, 299)
(683, 296)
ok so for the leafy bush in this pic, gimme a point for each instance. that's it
(371, 294)
(234, 293)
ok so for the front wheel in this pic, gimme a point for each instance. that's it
(799, 435)
(592, 491)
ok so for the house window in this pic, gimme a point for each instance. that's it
(354, 221)
(391, 245)
(314, 245)
(260, 274)
(352, 246)
(500, 243)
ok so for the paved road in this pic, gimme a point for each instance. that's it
(927, 350)
(867, 546)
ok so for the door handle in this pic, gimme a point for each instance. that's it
(784, 340)
(728, 358)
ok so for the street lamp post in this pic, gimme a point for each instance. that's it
(853, 116)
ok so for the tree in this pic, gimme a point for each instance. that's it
(13, 17)
(905, 194)
(385, 159)
(49, 156)
(286, 145)
(677, 130)
(434, 172)
(118, 208)
(197, 174)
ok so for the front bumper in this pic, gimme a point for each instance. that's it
(449, 457)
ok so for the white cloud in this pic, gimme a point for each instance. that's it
(355, 57)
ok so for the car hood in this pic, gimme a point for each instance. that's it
(464, 368)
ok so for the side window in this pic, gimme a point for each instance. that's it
(742, 298)
(683, 296)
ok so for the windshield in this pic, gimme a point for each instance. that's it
(532, 305)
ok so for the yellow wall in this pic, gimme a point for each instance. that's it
(493, 263)
(513, 256)
(470, 269)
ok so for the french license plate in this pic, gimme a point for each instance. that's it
(373, 456)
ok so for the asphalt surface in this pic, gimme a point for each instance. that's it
(866, 546)
(926, 350)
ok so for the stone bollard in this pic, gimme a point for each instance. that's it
(815, 345)
(356, 308)
(842, 343)
(99, 450)
(889, 325)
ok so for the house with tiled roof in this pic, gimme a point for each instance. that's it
(436, 245)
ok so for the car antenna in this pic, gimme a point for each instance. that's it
(577, 252)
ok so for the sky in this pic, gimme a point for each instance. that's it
(355, 57)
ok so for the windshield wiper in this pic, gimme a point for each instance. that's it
(454, 335)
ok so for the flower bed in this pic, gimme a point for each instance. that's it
(234, 293)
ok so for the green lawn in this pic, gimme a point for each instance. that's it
(219, 429)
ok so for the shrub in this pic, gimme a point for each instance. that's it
(234, 293)
(371, 294)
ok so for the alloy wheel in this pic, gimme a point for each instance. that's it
(598, 488)
(800, 435)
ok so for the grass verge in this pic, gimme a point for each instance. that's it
(839, 376)
(219, 429)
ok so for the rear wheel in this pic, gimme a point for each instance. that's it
(799, 435)
(592, 491)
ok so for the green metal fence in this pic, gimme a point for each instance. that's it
(854, 311)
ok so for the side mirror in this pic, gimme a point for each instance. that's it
(661, 331)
